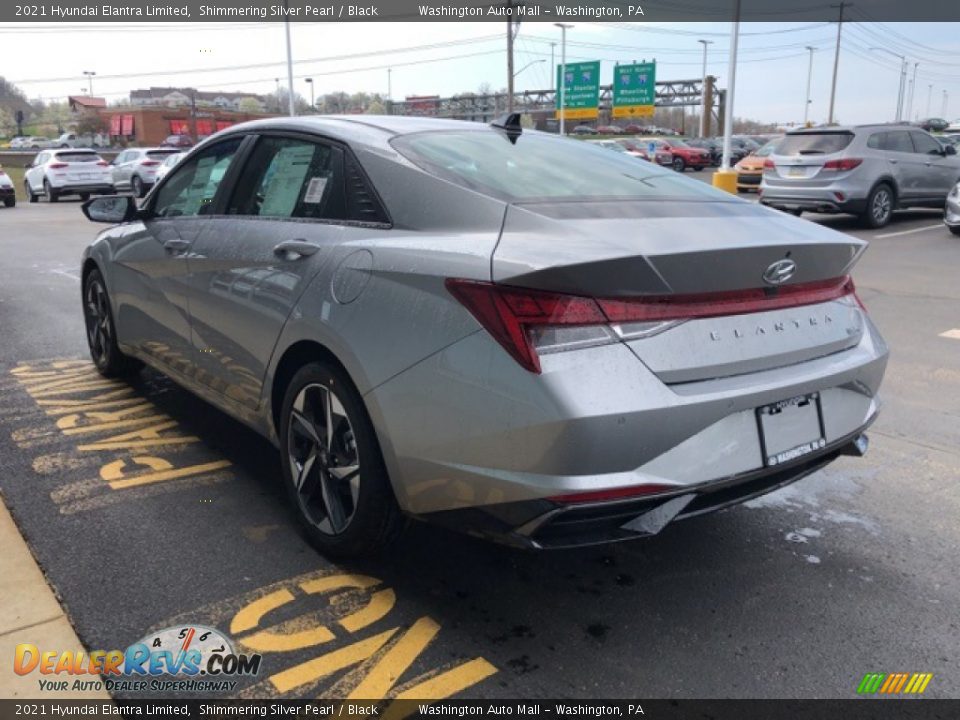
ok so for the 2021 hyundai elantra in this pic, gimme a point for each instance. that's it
(510, 333)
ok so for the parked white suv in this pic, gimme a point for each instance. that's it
(54, 173)
(136, 168)
(73, 140)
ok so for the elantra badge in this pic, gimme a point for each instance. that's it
(779, 272)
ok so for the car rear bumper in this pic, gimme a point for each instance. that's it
(471, 439)
(951, 215)
(828, 199)
(749, 180)
(74, 187)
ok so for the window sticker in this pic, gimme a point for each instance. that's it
(315, 188)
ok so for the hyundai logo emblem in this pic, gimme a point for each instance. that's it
(779, 272)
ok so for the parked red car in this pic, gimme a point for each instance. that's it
(177, 141)
(684, 155)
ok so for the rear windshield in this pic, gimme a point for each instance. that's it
(155, 154)
(814, 143)
(78, 157)
(544, 167)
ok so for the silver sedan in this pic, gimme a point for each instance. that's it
(517, 335)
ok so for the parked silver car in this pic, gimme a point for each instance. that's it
(522, 336)
(867, 170)
(951, 213)
(135, 169)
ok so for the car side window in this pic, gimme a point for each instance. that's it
(875, 141)
(897, 141)
(925, 145)
(191, 187)
(291, 178)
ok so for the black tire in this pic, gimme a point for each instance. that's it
(955, 229)
(880, 205)
(678, 164)
(101, 330)
(797, 212)
(30, 196)
(10, 201)
(698, 168)
(50, 192)
(136, 184)
(84, 196)
(366, 517)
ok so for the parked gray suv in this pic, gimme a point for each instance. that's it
(867, 170)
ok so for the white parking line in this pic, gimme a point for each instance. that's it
(909, 232)
(952, 334)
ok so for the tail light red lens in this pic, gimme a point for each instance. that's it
(57, 166)
(149, 163)
(524, 320)
(768, 164)
(614, 494)
(842, 164)
(103, 163)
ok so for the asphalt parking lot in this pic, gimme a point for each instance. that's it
(143, 524)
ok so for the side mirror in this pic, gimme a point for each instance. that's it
(950, 150)
(28, 165)
(113, 209)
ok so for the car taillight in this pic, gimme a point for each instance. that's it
(149, 163)
(529, 323)
(103, 163)
(842, 164)
(768, 164)
(57, 166)
(613, 494)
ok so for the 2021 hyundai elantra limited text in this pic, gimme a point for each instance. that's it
(510, 333)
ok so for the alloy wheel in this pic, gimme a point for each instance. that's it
(881, 208)
(99, 329)
(323, 457)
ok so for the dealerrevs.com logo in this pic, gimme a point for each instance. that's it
(194, 658)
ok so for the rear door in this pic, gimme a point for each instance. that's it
(898, 159)
(121, 167)
(289, 212)
(34, 175)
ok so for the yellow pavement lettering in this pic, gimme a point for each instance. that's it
(162, 470)
(102, 416)
(145, 437)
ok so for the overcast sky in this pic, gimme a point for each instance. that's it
(771, 75)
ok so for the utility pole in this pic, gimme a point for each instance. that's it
(512, 29)
(389, 83)
(900, 87)
(806, 107)
(90, 74)
(913, 90)
(731, 89)
(836, 60)
(703, 90)
(929, 94)
(943, 110)
(313, 108)
(290, 105)
(563, 75)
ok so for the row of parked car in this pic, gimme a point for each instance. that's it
(81, 171)
(865, 170)
(74, 140)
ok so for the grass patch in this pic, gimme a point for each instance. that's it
(16, 176)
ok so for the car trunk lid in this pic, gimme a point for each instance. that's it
(705, 251)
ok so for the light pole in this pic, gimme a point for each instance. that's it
(943, 110)
(806, 107)
(929, 94)
(728, 105)
(703, 89)
(309, 81)
(903, 72)
(89, 74)
(553, 68)
(389, 83)
(913, 90)
(290, 105)
(563, 75)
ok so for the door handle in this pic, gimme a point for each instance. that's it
(295, 249)
(176, 246)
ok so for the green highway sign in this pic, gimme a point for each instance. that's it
(581, 90)
(634, 90)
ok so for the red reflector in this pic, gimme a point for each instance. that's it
(842, 164)
(57, 166)
(149, 163)
(615, 494)
(730, 302)
(506, 312)
(840, 196)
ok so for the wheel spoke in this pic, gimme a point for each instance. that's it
(304, 427)
(332, 502)
(303, 468)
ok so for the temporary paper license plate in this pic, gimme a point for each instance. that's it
(797, 171)
(790, 429)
